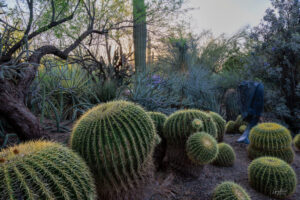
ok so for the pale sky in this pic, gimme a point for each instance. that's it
(226, 16)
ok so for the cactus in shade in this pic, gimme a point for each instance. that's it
(270, 139)
(158, 120)
(233, 126)
(197, 124)
(297, 141)
(117, 140)
(44, 170)
(220, 124)
(226, 155)
(178, 126)
(230, 191)
(229, 128)
(287, 154)
(272, 176)
(201, 148)
(242, 128)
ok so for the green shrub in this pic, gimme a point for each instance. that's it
(226, 155)
(178, 126)
(117, 140)
(220, 124)
(297, 141)
(201, 148)
(230, 191)
(158, 120)
(44, 170)
(272, 176)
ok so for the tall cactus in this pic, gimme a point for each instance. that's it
(117, 140)
(139, 34)
(44, 170)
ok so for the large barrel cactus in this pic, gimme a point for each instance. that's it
(44, 170)
(158, 120)
(220, 124)
(230, 191)
(178, 126)
(270, 139)
(117, 140)
(201, 148)
(226, 155)
(297, 141)
(272, 176)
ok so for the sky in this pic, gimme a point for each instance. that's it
(226, 16)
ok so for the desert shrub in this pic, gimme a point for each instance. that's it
(272, 176)
(44, 170)
(230, 190)
(226, 155)
(123, 135)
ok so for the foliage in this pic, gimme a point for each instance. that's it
(226, 155)
(201, 148)
(273, 177)
(45, 170)
(124, 135)
(230, 190)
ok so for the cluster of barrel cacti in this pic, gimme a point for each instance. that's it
(272, 176)
(235, 126)
(271, 139)
(44, 170)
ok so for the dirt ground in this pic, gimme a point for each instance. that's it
(181, 187)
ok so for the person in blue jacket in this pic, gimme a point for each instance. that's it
(251, 104)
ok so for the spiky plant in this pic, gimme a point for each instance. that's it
(233, 126)
(158, 120)
(117, 140)
(230, 191)
(286, 154)
(242, 128)
(197, 125)
(272, 176)
(229, 128)
(44, 170)
(297, 141)
(270, 136)
(226, 155)
(178, 126)
(220, 124)
(201, 148)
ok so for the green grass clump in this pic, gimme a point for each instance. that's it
(44, 170)
(272, 176)
(270, 139)
(201, 148)
(117, 140)
(158, 120)
(178, 126)
(297, 141)
(230, 191)
(220, 124)
(226, 155)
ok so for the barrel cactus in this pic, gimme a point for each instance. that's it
(226, 155)
(201, 148)
(178, 126)
(158, 120)
(231, 191)
(220, 124)
(272, 176)
(233, 126)
(230, 126)
(117, 140)
(44, 170)
(197, 125)
(242, 128)
(297, 141)
(271, 139)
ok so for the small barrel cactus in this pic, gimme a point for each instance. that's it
(297, 141)
(201, 148)
(272, 176)
(226, 155)
(158, 120)
(220, 124)
(178, 126)
(117, 140)
(44, 170)
(233, 126)
(230, 126)
(242, 128)
(197, 125)
(231, 191)
(270, 136)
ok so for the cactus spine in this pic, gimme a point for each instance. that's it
(231, 191)
(220, 124)
(117, 140)
(44, 170)
(226, 155)
(272, 176)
